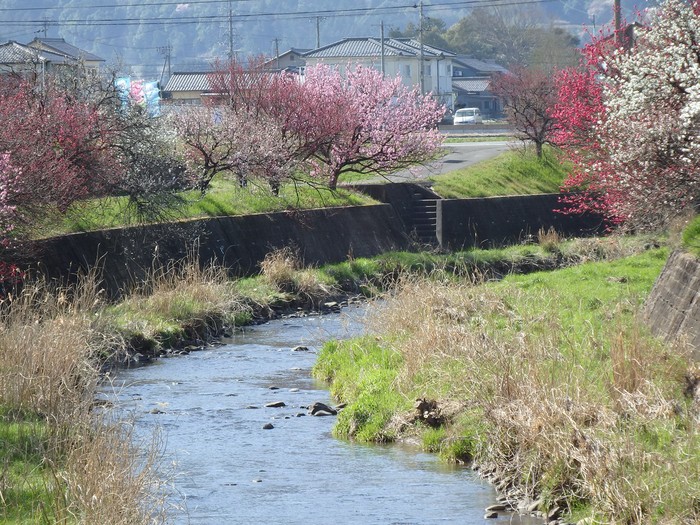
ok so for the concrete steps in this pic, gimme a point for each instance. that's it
(424, 220)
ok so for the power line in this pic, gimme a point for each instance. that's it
(182, 20)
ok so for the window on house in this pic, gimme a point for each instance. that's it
(427, 70)
(407, 70)
(448, 69)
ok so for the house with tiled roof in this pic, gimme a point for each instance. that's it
(291, 60)
(36, 58)
(395, 57)
(471, 85)
(58, 46)
(187, 87)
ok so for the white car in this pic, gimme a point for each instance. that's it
(467, 116)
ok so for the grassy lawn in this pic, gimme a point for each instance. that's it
(224, 198)
(511, 173)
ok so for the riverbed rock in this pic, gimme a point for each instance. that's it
(532, 507)
(553, 514)
(496, 507)
(490, 515)
(300, 348)
(268, 426)
(321, 409)
(275, 404)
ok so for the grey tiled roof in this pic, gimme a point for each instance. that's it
(372, 47)
(14, 53)
(194, 81)
(61, 47)
(471, 85)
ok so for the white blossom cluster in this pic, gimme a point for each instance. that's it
(652, 130)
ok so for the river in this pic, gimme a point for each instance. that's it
(210, 408)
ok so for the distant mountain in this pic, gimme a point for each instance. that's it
(138, 36)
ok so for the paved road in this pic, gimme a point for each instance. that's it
(460, 155)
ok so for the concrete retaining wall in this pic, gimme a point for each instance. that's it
(240, 243)
(496, 221)
(672, 309)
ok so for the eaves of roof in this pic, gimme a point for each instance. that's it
(471, 85)
(372, 47)
(60, 46)
(15, 53)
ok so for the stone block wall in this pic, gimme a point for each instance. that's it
(240, 243)
(672, 310)
(497, 221)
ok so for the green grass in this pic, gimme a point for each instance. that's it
(691, 237)
(538, 362)
(362, 371)
(224, 198)
(23, 476)
(511, 173)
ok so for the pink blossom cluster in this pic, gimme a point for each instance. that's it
(274, 125)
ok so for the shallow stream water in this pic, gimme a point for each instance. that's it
(210, 408)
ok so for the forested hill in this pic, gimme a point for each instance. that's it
(137, 34)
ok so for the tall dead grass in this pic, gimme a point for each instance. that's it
(564, 422)
(90, 469)
(200, 299)
(283, 269)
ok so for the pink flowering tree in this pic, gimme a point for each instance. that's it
(379, 124)
(632, 122)
(221, 140)
(273, 126)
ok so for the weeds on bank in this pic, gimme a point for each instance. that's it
(559, 390)
(60, 461)
(179, 303)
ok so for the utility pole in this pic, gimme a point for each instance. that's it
(277, 52)
(166, 51)
(617, 17)
(422, 53)
(381, 32)
(230, 31)
(318, 32)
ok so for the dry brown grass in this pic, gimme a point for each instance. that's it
(279, 268)
(90, 469)
(563, 423)
(549, 239)
(283, 270)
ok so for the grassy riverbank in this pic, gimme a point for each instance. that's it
(546, 381)
(61, 460)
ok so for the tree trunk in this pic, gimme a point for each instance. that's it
(538, 149)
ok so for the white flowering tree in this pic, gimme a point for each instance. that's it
(642, 150)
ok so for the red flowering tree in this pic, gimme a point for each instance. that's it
(630, 121)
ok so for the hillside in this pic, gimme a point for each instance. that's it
(135, 35)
